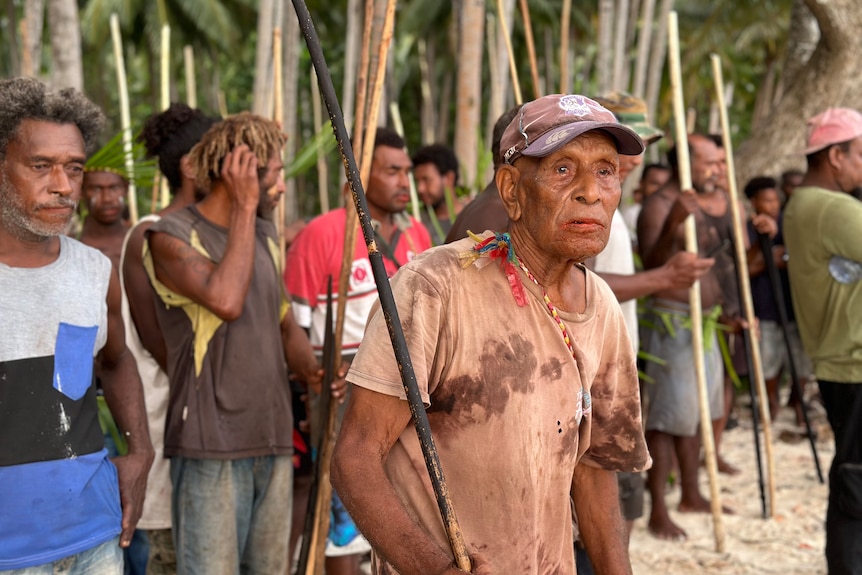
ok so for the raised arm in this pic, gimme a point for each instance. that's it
(658, 225)
(679, 272)
(125, 397)
(222, 287)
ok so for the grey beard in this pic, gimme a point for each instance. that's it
(15, 221)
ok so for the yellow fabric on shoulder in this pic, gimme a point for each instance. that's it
(204, 322)
(275, 254)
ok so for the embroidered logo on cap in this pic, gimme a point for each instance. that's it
(575, 105)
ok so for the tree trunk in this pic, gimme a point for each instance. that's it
(606, 42)
(262, 104)
(656, 67)
(34, 15)
(830, 78)
(469, 91)
(67, 69)
(499, 96)
(620, 82)
(12, 35)
(644, 43)
(353, 41)
(801, 42)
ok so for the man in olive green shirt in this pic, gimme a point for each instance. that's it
(822, 225)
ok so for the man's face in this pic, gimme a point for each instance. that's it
(105, 196)
(653, 181)
(706, 162)
(40, 179)
(568, 198)
(430, 184)
(388, 190)
(629, 163)
(767, 202)
(849, 167)
(271, 186)
(790, 183)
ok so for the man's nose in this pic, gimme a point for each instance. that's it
(589, 192)
(60, 182)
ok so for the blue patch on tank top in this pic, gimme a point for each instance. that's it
(73, 359)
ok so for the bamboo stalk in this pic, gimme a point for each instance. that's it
(744, 284)
(165, 85)
(322, 175)
(531, 48)
(125, 116)
(694, 292)
(278, 116)
(513, 69)
(565, 21)
(395, 114)
(191, 84)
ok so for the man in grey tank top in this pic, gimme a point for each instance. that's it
(65, 505)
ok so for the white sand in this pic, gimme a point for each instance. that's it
(790, 543)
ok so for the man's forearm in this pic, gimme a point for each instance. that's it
(125, 397)
(628, 287)
(596, 496)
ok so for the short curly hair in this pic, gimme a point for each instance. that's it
(29, 99)
(264, 138)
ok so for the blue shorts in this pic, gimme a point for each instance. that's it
(673, 400)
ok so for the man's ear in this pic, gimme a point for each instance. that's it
(835, 156)
(507, 178)
(186, 168)
(449, 180)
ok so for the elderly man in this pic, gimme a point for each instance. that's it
(522, 356)
(60, 308)
(821, 223)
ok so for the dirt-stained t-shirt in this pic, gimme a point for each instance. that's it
(511, 411)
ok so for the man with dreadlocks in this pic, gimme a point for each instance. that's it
(227, 331)
(169, 136)
(60, 308)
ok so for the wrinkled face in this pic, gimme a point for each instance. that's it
(706, 165)
(567, 199)
(653, 181)
(271, 186)
(767, 202)
(388, 190)
(40, 179)
(430, 184)
(849, 167)
(105, 196)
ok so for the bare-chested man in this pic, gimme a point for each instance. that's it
(104, 195)
(672, 421)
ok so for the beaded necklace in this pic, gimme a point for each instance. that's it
(499, 246)
(552, 310)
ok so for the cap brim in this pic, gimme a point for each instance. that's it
(628, 142)
(647, 133)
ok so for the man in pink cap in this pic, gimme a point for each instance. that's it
(522, 357)
(822, 224)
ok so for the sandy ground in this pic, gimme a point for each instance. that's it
(790, 543)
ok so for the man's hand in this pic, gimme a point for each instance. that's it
(480, 567)
(684, 206)
(764, 224)
(338, 386)
(132, 472)
(684, 268)
(239, 173)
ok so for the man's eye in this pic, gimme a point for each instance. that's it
(606, 172)
(562, 170)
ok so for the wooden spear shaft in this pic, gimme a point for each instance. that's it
(125, 116)
(531, 48)
(165, 92)
(513, 69)
(387, 300)
(744, 283)
(694, 292)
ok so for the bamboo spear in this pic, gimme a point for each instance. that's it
(278, 116)
(516, 83)
(387, 301)
(165, 84)
(694, 292)
(531, 48)
(125, 116)
(191, 84)
(744, 285)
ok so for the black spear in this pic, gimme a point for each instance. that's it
(384, 290)
(778, 296)
(747, 343)
(325, 400)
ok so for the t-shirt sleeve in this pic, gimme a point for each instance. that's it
(304, 273)
(421, 313)
(616, 436)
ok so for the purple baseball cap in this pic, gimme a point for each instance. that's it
(545, 125)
